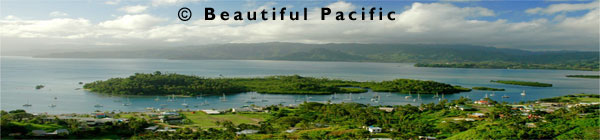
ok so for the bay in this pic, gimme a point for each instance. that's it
(61, 77)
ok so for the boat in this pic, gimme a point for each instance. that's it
(98, 105)
(52, 105)
(263, 99)
(409, 96)
(184, 104)
(349, 97)
(27, 104)
(492, 95)
(172, 99)
(249, 101)
(149, 108)
(523, 93)
(156, 99)
(55, 98)
(128, 103)
(205, 103)
(505, 96)
(224, 98)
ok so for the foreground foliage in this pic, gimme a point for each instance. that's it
(347, 121)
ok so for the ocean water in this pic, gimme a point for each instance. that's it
(20, 75)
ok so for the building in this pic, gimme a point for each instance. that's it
(482, 102)
(171, 119)
(386, 109)
(247, 131)
(211, 112)
(426, 138)
(464, 108)
(374, 129)
(477, 115)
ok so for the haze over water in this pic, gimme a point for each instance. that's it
(20, 75)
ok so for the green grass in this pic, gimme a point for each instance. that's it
(204, 120)
(32, 126)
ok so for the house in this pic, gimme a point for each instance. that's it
(482, 102)
(464, 108)
(426, 138)
(374, 129)
(530, 125)
(166, 129)
(477, 115)
(211, 112)
(151, 128)
(386, 109)
(169, 113)
(290, 130)
(100, 115)
(38, 133)
(245, 109)
(171, 119)
(14, 134)
(247, 131)
(59, 132)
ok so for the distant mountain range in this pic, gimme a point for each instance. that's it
(411, 53)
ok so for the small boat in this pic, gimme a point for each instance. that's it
(505, 96)
(98, 105)
(249, 101)
(523, 93)
(156, 99)
(492, 95)
(224, 98)
(52, 105)
(184, 104)
(149, 108)
(27, 104)
(128, 103)
(205, 103)
(55, 98)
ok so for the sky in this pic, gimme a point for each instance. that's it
(40, 26)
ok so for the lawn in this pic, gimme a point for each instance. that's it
(204, 120)
(32, 126)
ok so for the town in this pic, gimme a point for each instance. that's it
(571, 116)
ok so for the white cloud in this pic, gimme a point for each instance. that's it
(112, 2)
(172, 2)
(563, 7)
(58, 14)
(341, 6)
(441, 23)
(134, 9)
(132, 22)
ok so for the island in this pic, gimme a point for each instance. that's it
(585, 76)
(158, 83)
(488, 88)
(522, 83)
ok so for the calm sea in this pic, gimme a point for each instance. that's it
(20, 75)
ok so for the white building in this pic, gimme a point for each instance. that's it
(374, 129)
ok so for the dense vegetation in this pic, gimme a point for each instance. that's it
(522, 83)
(585, 76)
(488, 88)
(347, 121)
(586, 65)
(170, 83)
(432, 55)
(574, 98)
